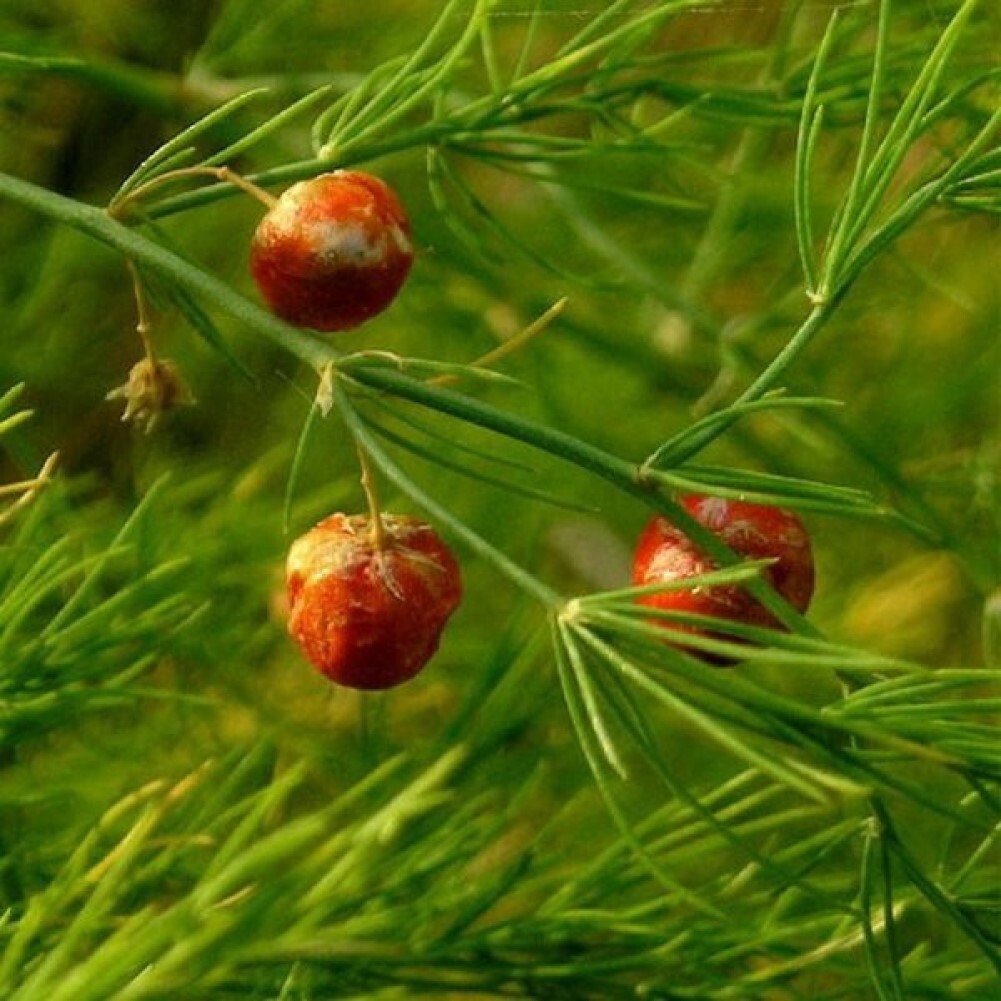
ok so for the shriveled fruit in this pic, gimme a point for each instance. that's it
(333, 252)
(664, 554)
(370, 617)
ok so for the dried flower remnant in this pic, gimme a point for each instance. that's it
(154, 387)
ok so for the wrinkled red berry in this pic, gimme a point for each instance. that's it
(333, 252)
(370, 618)
(757, 531)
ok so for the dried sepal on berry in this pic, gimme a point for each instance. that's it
(664, 554)
(370, 617)
(333, 252)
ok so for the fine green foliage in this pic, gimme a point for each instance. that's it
(685, 246)
(76, 636)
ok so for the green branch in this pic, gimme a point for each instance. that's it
(621, 473)
(133, 245)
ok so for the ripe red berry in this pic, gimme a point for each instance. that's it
(366, 617)
(757, 531)
(333, 252)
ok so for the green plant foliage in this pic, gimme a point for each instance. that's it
(748, 250)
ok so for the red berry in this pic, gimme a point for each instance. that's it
(366, 617)
(333, 252)
(757, 531)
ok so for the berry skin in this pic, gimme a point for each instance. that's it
(756, 531)
(369, 618)
(333, 252)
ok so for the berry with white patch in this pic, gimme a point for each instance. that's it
(333, 252)
(369, 612)
(664, 554)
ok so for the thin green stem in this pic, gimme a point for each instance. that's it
(401, 95)
(848, 210)
(98, 224)
(624, 475)
(181, 146)
(444, 400)
(366, 440)
(930, 890)
(809, 127)
(865, 912)
(795, 346)
(770, 378)
(872, 180)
